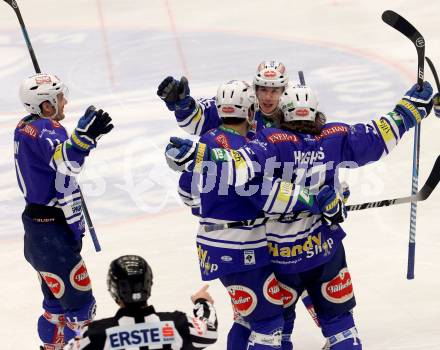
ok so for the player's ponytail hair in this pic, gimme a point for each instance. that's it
(306, 127)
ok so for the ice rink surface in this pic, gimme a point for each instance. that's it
(113, 54)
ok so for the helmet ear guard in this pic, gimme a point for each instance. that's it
(320, 118)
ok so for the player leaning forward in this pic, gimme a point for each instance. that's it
(46, 162)
(296, 154)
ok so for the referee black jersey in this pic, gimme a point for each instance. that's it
(146, 329)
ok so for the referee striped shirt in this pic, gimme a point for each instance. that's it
(146, 329)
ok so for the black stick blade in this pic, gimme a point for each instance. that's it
(399, 23)
(12, 3)
(390, 17)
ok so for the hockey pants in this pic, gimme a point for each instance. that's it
(54, 253)
(331, 291)
(256, 298)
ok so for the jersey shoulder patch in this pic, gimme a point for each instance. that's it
(210, 138)
(222, 141)
(41, 128)
(274, 136)
(333, 129)
(28, 126)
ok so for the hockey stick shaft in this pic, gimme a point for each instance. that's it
(14, 6)
(16, 9)
(437, 82)
(413, 212)
(302, 80)
(430, 184)
(434, 72)
(92, 231)
(428, 187)
(403, 26)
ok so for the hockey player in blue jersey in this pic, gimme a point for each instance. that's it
(238, 254)
(306, 153)
(201, 115)
(46, 162)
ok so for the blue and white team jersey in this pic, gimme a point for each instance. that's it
(204, 117)
(311, 161)
(224, 248)
(45, 164)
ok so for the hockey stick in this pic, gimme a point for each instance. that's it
(14, 6)
(90, 224)
(429, 186)
(403, 26)
(434, 72)
(437, 81)
(302, 81)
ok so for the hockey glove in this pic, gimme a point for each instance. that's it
(91, 126)
(436, 100)
(332, 208)
(185, 155)
(179, 154)
(415, 105)
(175, 93)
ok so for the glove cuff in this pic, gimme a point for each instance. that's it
(332, 207)
(171, 106)
(186, 108)
(409, 112)
(81, 142)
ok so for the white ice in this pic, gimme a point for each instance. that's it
(113, 54)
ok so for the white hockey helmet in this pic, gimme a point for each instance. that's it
(38, 88)
(234, 99)
(299, 103)
(271, 74)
